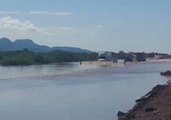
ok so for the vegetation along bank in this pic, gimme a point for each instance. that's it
(26, 57)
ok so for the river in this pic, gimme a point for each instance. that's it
(74, 92)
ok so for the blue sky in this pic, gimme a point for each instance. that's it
(114, 25)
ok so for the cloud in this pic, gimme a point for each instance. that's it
(10, 12)
(38, 13)
(51, 13)
(98, 26)
(15, 24)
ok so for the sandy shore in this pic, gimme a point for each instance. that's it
(121, 63)
(104, 63)
(158, 61)
(155, 105)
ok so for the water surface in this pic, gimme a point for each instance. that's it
(74, 92)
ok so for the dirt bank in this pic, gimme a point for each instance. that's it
(155, 105)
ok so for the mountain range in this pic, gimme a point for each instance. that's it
(20, 44)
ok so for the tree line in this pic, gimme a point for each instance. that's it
(26, 57)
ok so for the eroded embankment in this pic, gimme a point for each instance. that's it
(155, 105)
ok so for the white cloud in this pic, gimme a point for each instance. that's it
(38, 13)
(15, 24)
(98, 26)
(51, 13)
(10, 12)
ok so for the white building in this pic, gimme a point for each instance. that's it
(105, 56)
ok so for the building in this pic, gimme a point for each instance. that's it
(141, 56)
(105, 56)
(130, 57)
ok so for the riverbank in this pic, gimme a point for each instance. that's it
(155, 105)
(122, 63)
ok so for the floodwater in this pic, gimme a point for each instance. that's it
(74, 92)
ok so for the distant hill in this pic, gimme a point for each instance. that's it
(6, 44)
(29, 44)
(71, 49)
(20, 44)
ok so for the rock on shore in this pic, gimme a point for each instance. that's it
(167, 73)
(155, 105)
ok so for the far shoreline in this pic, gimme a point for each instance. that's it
(110, 63)
(100, 63)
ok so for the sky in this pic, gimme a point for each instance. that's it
(97, 25)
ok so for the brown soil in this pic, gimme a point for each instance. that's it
(155, 105)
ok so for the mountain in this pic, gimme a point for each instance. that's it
(72, 49)
(6, 44)
(20, 44)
